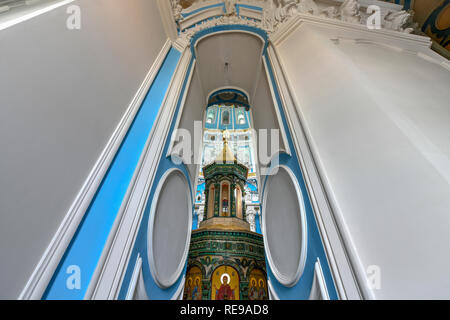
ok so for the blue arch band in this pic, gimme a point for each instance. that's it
(233, 27)
(227, 90)
(233, 100)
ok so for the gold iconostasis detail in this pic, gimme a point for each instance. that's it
(193, 285)
(257, 285)
(225, 284)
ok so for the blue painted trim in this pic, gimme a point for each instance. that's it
(228, 90)
(235, 27)
(238, 7)
(154, 292)
(258, 225)
(194, 222)
(89, 240)
(315, 246)
(204, 8)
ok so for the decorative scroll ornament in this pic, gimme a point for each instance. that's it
(201, 213)
(177, 10)
(349, 11)
(187, 34)
(230, 7)
(400, 21)
(277, 12)
(250, 216)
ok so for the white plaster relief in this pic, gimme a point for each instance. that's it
(277, 12)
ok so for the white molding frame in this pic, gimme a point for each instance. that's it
(272, 293)
(284, 280)
(212, 34)
(180, 113)
(134, 278)
(111, 269)
(169, 25)
(341, 267)
(178, 295)
(286, 28)
(167, 283)
(319, 280)
(42, 274)
(348, 272)
(250, 13)
(277, 108)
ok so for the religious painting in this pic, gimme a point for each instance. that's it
(257, 286)
(225, 284)
(193, 284)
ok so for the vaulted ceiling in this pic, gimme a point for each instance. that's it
(229, 60)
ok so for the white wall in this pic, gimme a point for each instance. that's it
(62, 93)
(379, 122)
(193, 110)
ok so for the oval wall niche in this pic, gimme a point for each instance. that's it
(284, 226)
(169, 228)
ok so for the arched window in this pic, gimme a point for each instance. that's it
(210, 116)
(238, 197)
(225, 200)
(240, 117)
(211, 196)
(226, 118)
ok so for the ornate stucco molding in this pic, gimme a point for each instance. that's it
(270, 15)
(251, 214)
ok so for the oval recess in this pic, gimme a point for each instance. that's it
(169, 228)
(284, 226)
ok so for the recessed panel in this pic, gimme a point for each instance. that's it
(170, 225)
(284, 227)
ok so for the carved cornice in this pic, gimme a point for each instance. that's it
(273, 14)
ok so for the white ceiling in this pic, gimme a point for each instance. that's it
(241, 51)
